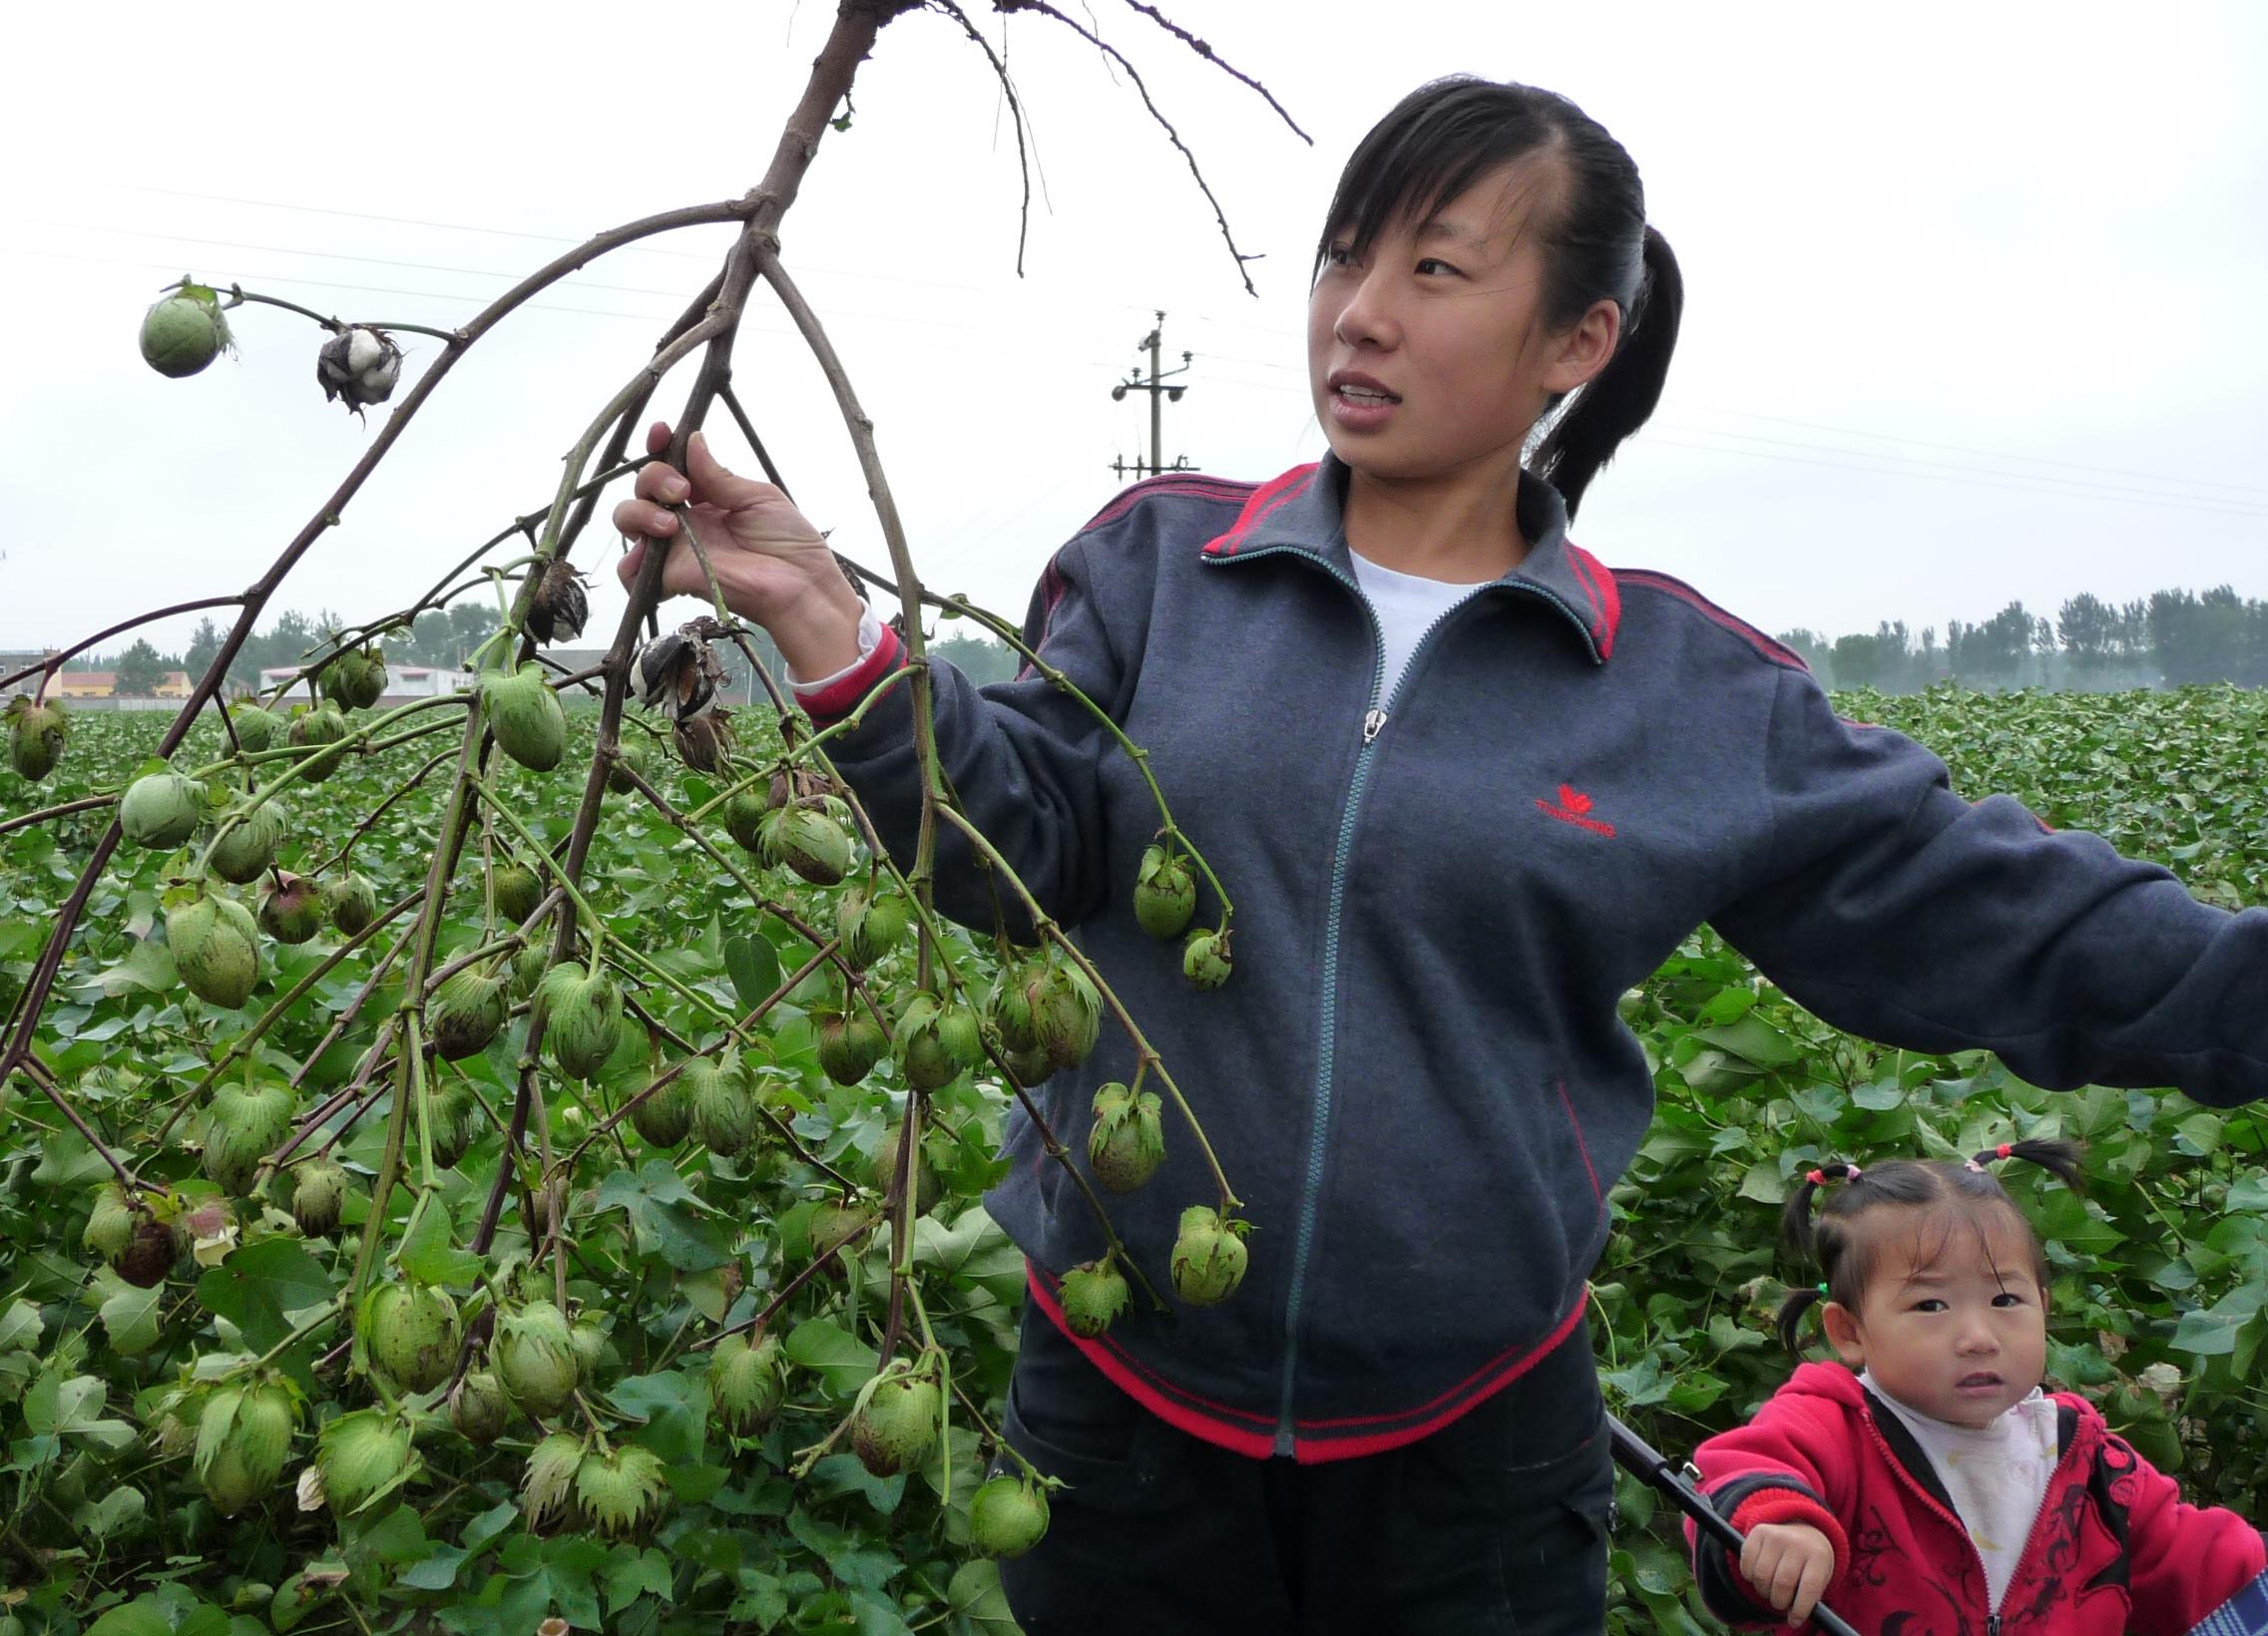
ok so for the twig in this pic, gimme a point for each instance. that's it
(1163, 123)
(1209, 55)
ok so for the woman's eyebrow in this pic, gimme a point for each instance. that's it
(1455, 233)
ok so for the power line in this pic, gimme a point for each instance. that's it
(1936, 477)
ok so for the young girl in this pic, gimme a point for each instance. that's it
(1932, 1485)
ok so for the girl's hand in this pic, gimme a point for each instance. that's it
(771, 565)
(1789, 1564)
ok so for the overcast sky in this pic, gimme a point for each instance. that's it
(1972, 301)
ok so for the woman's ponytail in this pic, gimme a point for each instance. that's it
(1789, 1322)
(2050, 1154)
(1621, 397)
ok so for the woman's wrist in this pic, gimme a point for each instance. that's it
(819, 635)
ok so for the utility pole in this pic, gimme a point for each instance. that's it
(1159, 392)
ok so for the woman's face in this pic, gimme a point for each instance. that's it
(1429, 356)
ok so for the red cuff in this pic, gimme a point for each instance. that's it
(1787, 1505)
(838, 698)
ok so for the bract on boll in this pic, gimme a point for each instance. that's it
(1165, 893)
(622, 1491)
(721, 1106)
(871, 925)
(850, 1043)
(1208, 1257)
(1128, 1141)
(1093, 1294)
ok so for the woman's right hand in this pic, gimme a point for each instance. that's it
(771, 565)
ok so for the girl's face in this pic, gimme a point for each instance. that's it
(1429, 356)
(1953, 1323)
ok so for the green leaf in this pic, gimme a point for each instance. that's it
(428, 1253)
(842, 1361)
(665, 1214)
(673, 1411)
(974, 1592)
(257, 1284)
(753, 969)
(142, 1616)
(632, 1573)
(20, 1326)
(130, 1316)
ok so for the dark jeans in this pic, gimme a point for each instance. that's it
(1498, 1522)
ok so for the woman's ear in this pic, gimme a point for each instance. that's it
(1843, 1332)
(1584, 350)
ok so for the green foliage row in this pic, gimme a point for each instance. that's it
(2161, 1266)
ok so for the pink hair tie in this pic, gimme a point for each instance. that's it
(1817, 1178)
(1850, 1172)
(1974, 1166)
(2004, 1150)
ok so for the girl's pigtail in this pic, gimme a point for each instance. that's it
(1790, 1319)
(1795, 1219)
(2053, 1155)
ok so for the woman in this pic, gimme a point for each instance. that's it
(1466, 787)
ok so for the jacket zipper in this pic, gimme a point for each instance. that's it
(1373, 724)
(2031, 1534)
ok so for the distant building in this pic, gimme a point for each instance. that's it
(104, 684)
(19, 659)
(404, 684)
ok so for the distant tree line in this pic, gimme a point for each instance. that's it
(2171, 638)
(443, 638)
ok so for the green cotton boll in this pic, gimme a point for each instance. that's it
(290, 909)
(242, 1125)
(255, 728)
(215, 948)
(720, 1107)
(525, 715)
(547, 1483)
(1165, 893)
(583, 1020)
(1008, 1515)
(243, 849)
(314, 729)
(743, 815)
(870, 926)
(161, 810)
(358, 1455)
(517, 890)
(622, 1490)
(180, 334)
(534, 1357)
(412, 1330)
(745, 1384)
(664, 1117)
(37, 734)
(479, 1408)
(1208, 1258)
(467, 1012)
(898, 1426)
(352, 902)
(1128, 1141)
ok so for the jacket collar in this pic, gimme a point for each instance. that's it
(1300, 511)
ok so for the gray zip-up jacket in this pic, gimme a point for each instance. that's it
(1417, 1079)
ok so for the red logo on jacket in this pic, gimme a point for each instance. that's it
(1574, 807)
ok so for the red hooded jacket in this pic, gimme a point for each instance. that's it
(2112, 1549)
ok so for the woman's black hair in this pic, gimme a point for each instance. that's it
(1591, 222)
(1836, 1242)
